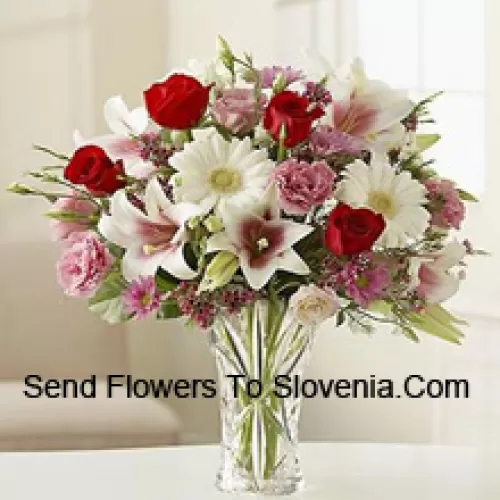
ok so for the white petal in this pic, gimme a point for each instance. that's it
(220, 242)
(175, 264)
(294, 232)
(125, 214)
(156, 201)
(291, 262)
(135, 263)
(111, 231)
(139, 169)
(450, 256)
(257, 277)
(78, 139)
(123, 122)
(446, 287)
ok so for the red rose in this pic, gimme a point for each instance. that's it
(350, 231)
(177, 103)
(295, 112)
(92, 168)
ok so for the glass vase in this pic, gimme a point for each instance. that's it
(259, 353)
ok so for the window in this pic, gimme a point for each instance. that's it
(422, 46)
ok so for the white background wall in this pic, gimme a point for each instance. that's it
(61, 59)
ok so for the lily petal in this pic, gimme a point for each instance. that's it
(256, 277)
(123, 122)
(174, 263)
(136, 263)
(291, 262)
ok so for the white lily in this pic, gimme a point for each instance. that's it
(121, 144)
(433, 278)
(262, 241)
(154, 239)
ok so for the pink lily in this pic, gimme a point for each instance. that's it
(122, 144)
(369, 110)
(152, 239)
(436, 282)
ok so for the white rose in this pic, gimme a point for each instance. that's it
(311, 305)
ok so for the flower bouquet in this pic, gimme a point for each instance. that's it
(257, 202)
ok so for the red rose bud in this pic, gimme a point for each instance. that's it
(92, 168)
(295, 112)
(351, 231)
(177, 103)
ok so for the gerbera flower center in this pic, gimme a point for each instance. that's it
(146, 299)
(225, 180)
(382, 203)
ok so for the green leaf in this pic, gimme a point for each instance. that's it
(465, 196)
(429, 324)
(107, 302)
(426, 141)
(110, 311)
(443, 316)
(112, 287)
(165, 284)
(169, 309)
(409, 333)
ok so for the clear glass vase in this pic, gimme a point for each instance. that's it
(259, 352)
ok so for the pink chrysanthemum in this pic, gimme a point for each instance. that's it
(270, 73)
(141, 298)
(445, 205)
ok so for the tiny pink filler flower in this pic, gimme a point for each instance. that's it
(141, 298)
(84, 263)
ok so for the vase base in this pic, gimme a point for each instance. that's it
(230, 484)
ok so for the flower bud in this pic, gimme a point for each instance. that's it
(220, 271)
(213, 224)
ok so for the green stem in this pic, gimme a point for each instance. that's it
(43, 149)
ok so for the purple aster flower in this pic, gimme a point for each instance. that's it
(365, 280)
(326, 140)
(270, 73)
(141, 297)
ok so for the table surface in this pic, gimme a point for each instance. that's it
(340, 471)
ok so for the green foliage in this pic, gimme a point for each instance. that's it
(438, 322)
(169, 310)
(106, 302)
(426, 141)
(466, 196)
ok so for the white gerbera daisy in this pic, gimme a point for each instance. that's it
(396, 196)
(219, 174)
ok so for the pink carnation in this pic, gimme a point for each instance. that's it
(302, 186)
(270, 73)
(446, 207)
(237, 110)
(80, 208)
(326, 140)
(83, 264)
